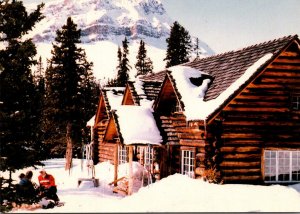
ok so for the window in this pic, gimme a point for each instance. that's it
(296, 102)
(187, 163)
(122, 153)
(146, 158)
(282, 166)
(148, 163)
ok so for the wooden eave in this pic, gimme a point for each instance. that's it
(101, 104)
(259, 72)
(128, 97)
(111, 130)
(166, 83)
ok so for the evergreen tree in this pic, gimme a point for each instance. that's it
(114, 82)
(124, 66)
(179, 45)
(144, 64)
(18, 97)
(197, 49)
(71, 92)
(18, 92)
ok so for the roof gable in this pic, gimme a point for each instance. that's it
(228, 67)
(111, 131)
(108, 99)
(101, 112)
(128, 97)
(167, 98)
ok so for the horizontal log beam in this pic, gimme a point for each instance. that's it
(107, 157)
(293, 80)
(197, 143)
(242, 178)
(287, 60)
(239, 156)
(107, 145)
(289, 53)
(260, 109)
(246, 96)
(250, 149)
(190, 136)
(280, 73)
(261, 123)
(240, 171)
(285, 67)
(240, 164)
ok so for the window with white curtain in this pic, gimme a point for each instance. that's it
(282, 166)
(122, 153)
(188, 163)
(146, 156)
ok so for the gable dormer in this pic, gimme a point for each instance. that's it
(167, 100)
(111, 133)
(128, 98)
(101, 112)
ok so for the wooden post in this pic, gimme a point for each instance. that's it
(116, 165)
(69, 147)
(130, 183)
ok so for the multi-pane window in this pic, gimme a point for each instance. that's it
(188, 163)
(122, 153)
(296, 102)
(282, 166)
(146, 156)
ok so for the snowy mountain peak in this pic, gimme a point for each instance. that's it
(106, 19)
(104, 24)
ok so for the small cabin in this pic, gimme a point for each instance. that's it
(124, 120)
(235, 117)
(229, 118)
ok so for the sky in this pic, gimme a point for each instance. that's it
(227, 25)
(176, 193)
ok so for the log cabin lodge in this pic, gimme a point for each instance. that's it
(229, 118)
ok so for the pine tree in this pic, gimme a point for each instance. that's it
(197, 49)
(71, 92)
(18, 112)
(179, 46)
(114, 81)
(124, 66)
(144, 64)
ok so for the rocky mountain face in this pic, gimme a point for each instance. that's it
(106, 19)
(104, 25)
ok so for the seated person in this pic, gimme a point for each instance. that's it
(47, 186)
(26, 187)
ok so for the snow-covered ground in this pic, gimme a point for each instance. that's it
(176, 193)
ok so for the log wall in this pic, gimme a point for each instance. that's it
(106, 152)
(261, 117)
(178, 135)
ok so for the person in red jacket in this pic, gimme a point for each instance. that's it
(47, 186)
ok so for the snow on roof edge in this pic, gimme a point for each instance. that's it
(212, 105)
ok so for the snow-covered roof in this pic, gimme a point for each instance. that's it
(91, 122)
(195, 108)
(114, 96)
(137, 125)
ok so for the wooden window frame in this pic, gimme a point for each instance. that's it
(295, 102)
(147, 153)
(122, 154)
(289, 161)
(188, 158)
